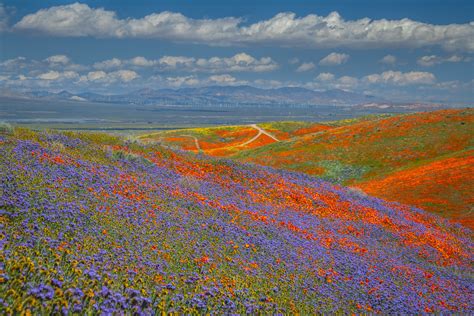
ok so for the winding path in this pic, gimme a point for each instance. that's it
(196, 142)
(260, 132)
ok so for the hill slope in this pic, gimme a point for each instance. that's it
(365, 154)
(93, 224)
(394, 157)
(225, 141)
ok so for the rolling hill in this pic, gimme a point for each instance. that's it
(95, 224)
(373, 153)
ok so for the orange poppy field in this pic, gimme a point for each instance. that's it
(422, 159)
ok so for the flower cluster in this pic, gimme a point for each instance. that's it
(91, 224)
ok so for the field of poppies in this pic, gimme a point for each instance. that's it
(399, 158)
(92, 223)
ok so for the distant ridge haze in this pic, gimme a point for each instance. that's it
(221, 95)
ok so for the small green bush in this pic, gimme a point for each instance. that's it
(5, 128)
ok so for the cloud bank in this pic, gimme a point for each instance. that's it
(241, 62)
(284, 29)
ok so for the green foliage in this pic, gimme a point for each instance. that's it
(338, 172)
(5, 128)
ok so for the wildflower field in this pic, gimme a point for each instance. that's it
(92, 223)
(421, 159)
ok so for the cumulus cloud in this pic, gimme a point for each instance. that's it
(108, 64)
(348, 81)
(95, 76)
(15, 63)
(222, 79)
(325, 76)
(431, 60)
(55, 62)
(193, 81)
(401, 78)
(328, 80)
(388, 60)
(180, 81)
(334, 59)
(284, 29)
(305, 67)
(56, 75)
(111, 77)
(142, 62)
(57, 59)
(226, 80)
(238, 63)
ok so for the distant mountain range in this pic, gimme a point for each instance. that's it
(220, 96)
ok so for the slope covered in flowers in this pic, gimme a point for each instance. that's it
(443, 185)
(225, 141)
(370, 153)
(92, 224)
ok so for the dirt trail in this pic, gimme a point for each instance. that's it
(196, 142)
(260, 132)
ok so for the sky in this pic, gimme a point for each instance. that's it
(410, 51)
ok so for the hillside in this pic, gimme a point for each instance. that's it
(399, 158)
(94, 224)
(443, 186)
(225, 141)
(372, 155)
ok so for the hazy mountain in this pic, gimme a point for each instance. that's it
(222, 96)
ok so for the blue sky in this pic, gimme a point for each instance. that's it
(403, 50)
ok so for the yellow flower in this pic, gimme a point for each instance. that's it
(90, 293)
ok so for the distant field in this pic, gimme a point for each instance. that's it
(377, 153)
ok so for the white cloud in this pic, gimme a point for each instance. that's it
(305, 67)
(325, 76)
(95, 75)
(328, 80)
(125, 75)
(238, 63)
(56, 75)
(57, 59)
(225, 79)
(108, 64)
(431, 60)
(401, 78)
(284, 29)
(222, 79)
(15, 63)
(348, 81)
(389, 60)
(176, 61)
(334, 59)
(182, 81)
(241, 62)
(111, 77)
(142, 62)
